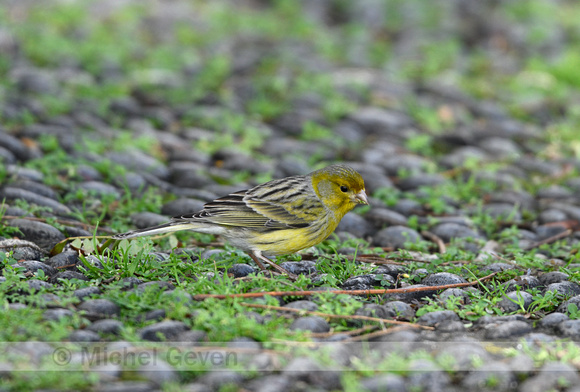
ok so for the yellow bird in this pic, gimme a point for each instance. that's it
(277, 217)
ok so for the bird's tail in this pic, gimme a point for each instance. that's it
(159, 229)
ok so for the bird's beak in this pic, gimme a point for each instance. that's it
(361, 197)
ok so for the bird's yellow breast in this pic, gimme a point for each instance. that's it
(288, 241)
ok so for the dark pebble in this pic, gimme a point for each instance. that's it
(154, 315)
(552, 277)
(182, 206)
(192, 336)
(240, 270)
(551, 377)
(355, 224)
(522, 282)
(368, 282)
(84, 336)
(509, 329)
(433, 318)
(381, 217)
(98, 189)
(87, 292)
(11, 193)
(100, 308)
(479, 380)
(22, 250)
(399, 310)
(454, 292)
(415, 181)
(33, 266)
(441, 279)
(497, 267)
(299, 267)
(163, 330)
(396, 237)
(513, 301)
(42, 234)
(552, 320)
(106, 326)
(67, 275)
(449, 231)
(158, 372)
(65, 260)
(310, 323)
(569, 329)
(142, 220)
(564, 289)
(37, 285)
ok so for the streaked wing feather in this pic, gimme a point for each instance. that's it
(259, 207)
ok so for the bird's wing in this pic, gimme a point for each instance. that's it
(251, 209)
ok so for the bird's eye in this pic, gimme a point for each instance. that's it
(343, 189)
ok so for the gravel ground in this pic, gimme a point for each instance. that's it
(488, 352)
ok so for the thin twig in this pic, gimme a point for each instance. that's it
(335, 316)
(348, 292)
(548, 240)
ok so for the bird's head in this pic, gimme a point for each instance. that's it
(340, 188)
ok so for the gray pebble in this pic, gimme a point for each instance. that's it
(367, 282)
(454, 292)
(491, 376)
(42, 234)
(521, 282)
(240, 270)
(182, 206)
(33, 266)
(381, 217)
(99, 189)
(550, 377)
(509, 329)
(396, 237)
(441, 279)
(83, 335)
(433, 318)
(22, 250)
(465, 354)
(220, 380)
(552, 277)
(158, 372)
(564, 289)
(100, 308)
(163, 330)
(11, 193)
(67, 275)
(106, 326)
(86, 292)
(142, 220)
(513, 301)
(449, 231)
(66, 260)
(305, 267)
(552, 320)
(419, 180)
(400, 310)
(355, 224)
(569, 328)
(310, 323)
(192, 336)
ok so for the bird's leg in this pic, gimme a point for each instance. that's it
(258, 257)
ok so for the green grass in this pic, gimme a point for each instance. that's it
(148, 64)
